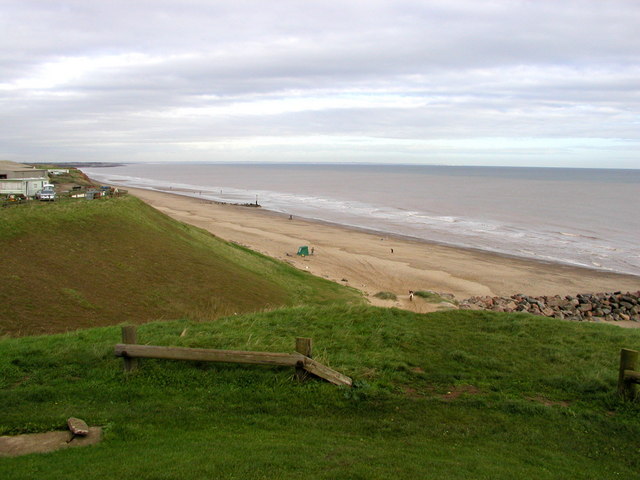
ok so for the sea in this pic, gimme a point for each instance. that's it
(582, 217)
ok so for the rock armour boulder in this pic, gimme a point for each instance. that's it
(614, 306)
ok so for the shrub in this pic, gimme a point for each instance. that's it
(386, 296)
(433, 297)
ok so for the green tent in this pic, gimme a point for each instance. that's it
(304, 251)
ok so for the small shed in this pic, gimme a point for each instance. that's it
(303, 251)
(92, 194)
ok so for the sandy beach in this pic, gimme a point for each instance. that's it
(374, 262)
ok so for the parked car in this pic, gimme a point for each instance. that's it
(46, 195)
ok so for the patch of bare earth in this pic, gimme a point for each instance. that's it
(461, 390)
(431, 391)
(14, 446)
(412, 392)
(548, 403)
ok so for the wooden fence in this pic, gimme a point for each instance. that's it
(628, 377)
(130, 351)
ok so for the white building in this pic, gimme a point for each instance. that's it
(18, 178)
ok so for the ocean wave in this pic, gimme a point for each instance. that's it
(578, 235)
(518, 237)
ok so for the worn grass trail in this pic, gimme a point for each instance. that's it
(449, 395)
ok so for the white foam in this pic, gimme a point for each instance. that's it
(517, 236)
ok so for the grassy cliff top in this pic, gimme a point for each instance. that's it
(452, 395)
(449, 395)
(78, 264)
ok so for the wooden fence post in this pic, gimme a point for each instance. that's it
(628, 361)
(304, 346)
(129, 336)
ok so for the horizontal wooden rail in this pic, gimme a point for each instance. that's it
(632, 376)
(207, 355)
(301, 360)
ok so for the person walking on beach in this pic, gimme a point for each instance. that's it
(411, 295)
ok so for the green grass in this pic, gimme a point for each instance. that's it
(80, 264)
(74, 176)
(451, 395)
(433, 297)
(386, 296)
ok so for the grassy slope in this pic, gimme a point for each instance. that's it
(539, 401)
(75, 176)
(78, 264)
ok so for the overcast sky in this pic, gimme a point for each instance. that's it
(457, 82)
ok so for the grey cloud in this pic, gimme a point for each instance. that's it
(479, 69)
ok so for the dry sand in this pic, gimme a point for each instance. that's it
(364, 260)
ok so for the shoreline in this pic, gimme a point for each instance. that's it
(538, 215)
(373, 262)
(193, 193)
(372, 231)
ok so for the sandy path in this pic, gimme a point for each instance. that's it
(365, 260)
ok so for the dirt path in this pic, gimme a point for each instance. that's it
(46, 442)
